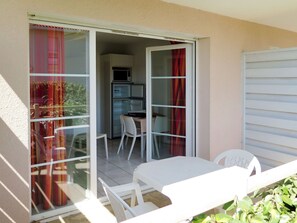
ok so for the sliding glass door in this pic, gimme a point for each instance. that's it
(59, 116)
(170, 101)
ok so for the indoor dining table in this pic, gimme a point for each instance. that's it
(142, 123)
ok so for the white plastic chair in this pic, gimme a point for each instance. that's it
(123, 130)
(159, 126)
(131, 131)
(121, 209)
(103, 135)
(79, 136)
(239, 157)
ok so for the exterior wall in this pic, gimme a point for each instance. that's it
(202, 100)
(14, 150)
(228, 38)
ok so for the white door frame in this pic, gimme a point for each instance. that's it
(92, 192)
(190, 103)
(106, 27)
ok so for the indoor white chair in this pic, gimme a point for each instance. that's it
(159, 126)
(133, 132)
(100, 136)
(123, 131)
(239, 157)
(121, 209)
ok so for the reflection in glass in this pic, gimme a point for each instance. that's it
(167, 146)
(58, 50)
(170, 121)
(59, 111)
(173, 119)
(161, 124)
(168, 71)
(168, 63)
(79, 145)
(161, 63)
(168, 97)
(58, 96)
(50, 183)
(51, 141)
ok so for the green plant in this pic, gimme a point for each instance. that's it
(75, 101)
(277, 204)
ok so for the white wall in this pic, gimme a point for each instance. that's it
(14, 100)
(202, 100)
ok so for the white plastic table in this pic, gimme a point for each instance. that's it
(163, 175)
(193, 185)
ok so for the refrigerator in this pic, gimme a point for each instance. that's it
(126, 98)
(137, 98)
(120, 96)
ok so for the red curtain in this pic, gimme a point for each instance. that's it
(178, 99)
(46, 100)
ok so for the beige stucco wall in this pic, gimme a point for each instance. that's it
(228, 38)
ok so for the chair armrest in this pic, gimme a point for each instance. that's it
(124, 187)
(133, 187)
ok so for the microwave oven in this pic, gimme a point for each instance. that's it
(121, 74)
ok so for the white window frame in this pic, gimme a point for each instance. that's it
(92, 192)
(190, 92)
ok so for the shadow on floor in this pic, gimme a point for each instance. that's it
(157, 198)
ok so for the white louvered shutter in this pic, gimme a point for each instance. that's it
(270, 106)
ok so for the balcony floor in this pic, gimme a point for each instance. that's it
(115, 171)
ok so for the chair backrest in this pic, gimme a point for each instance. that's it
(123, 128)
(130, 125)
(239, 157)
(76, 132)
(117, 203)
(160, 124)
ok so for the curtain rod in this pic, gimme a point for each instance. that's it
(107, 27)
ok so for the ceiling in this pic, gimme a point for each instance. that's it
(277, 13)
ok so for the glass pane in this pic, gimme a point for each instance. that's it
(167, 146)
(120, 107)
(58, 96)
(169, 92)
(58, 50)
(121, 90)
(77, 141)
(168, 63)
(50, 185)
(172, 120)
(54, 141)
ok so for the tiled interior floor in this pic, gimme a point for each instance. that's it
(117, 169)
